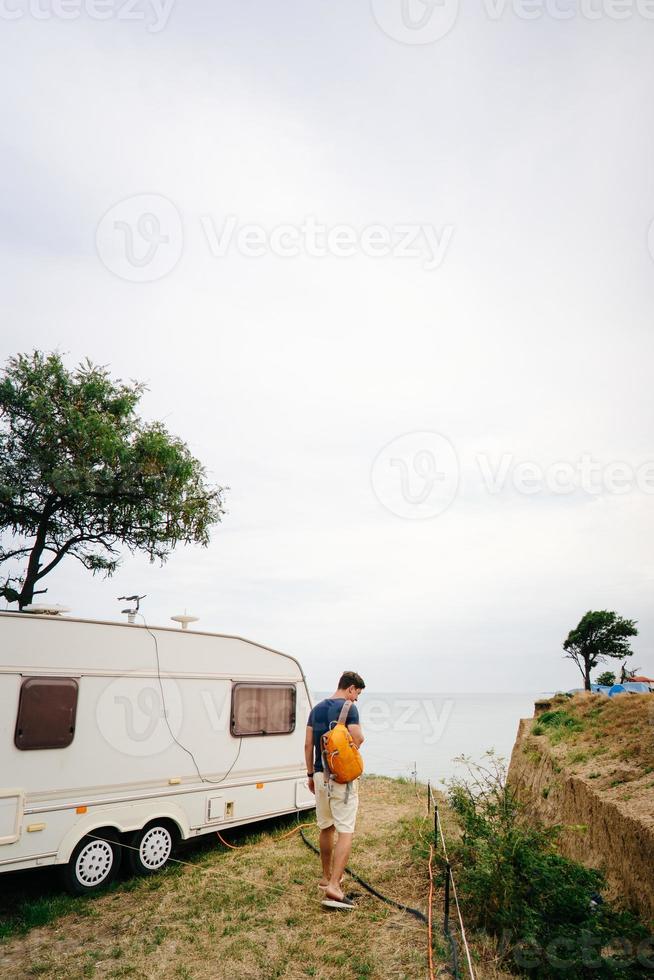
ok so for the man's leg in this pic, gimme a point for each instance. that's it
(341, 857)
(326, 853)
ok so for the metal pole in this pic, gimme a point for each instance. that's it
(436, 825)
(428, 796)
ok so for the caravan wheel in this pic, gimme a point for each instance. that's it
(93, 864)
(150, 848)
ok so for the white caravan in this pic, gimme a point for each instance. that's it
(117, 734)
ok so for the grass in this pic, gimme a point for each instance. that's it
(607, 740)
(250, 913)
(559, 725)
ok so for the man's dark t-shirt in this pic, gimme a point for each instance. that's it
(320, 719)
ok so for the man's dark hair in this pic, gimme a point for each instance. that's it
(349, 677)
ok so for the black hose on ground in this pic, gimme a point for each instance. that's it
(373, 891)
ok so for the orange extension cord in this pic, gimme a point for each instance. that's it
(237, 847)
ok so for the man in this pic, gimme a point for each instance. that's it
(336, 804)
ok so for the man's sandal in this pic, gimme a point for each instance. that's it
(338, 903)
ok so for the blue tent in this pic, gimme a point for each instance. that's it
(636, 687)
(629, 687)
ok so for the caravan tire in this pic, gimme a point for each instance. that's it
(93, 864)
(150, 849)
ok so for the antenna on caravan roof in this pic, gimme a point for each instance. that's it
(184, 620)
(132, 611)
(43, 609)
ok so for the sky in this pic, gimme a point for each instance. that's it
(388, 268)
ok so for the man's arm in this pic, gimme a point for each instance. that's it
(308, 754)
(356, 731)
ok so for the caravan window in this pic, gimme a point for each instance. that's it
(263, 709)
(46, 713)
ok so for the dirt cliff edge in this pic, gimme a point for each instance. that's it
(588, 781)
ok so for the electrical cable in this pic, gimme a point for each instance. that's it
(373, 891)
(205, 871)
(238, 847)
(203, 779)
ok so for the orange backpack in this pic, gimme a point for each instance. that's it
(341, 758)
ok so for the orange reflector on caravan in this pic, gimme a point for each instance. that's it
(259, 785)
(81, 809)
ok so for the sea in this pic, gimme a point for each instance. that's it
(427, 736)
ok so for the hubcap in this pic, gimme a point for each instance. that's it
(94, 863)
(155, 848)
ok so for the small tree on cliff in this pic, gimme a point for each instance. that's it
(81, 474)
(607, 679)
(600, 634)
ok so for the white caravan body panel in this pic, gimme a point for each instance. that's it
(152, 735)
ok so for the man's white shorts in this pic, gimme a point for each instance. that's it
(331, 808)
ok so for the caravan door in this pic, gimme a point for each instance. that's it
(12, 802)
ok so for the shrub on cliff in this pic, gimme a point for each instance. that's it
(545, 910)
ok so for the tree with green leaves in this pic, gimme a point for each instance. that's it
(81, 474)
(600, 634)
(606, 679)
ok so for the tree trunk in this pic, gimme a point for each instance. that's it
(34, 563)
(586, 675)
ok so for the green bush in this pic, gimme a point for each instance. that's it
(558, 725)
(545, 910)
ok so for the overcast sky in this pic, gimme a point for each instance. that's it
(370, 394)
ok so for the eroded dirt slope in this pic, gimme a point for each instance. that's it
(588, 763)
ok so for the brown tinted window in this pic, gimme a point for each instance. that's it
(46, 713)
(263, 709)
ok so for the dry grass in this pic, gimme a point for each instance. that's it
(255, 913)
(610, 742)
(252, 913)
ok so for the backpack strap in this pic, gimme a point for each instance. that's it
(344, 713)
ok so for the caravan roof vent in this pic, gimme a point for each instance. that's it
(185, 620)
(43, 609)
